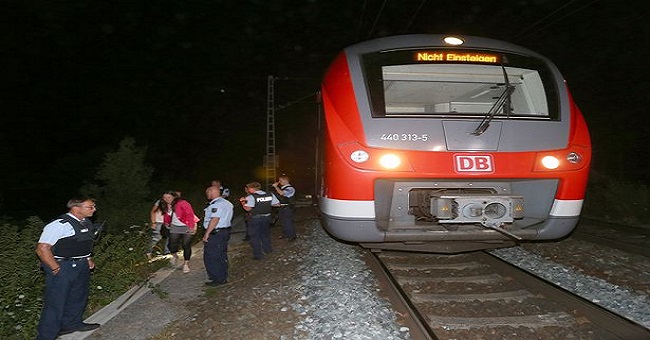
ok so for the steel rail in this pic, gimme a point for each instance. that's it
(618, 326)
(418, 327)
(608, 324)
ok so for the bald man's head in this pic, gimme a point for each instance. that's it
(212, 192)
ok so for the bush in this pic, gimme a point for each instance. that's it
(22, 282)
(121, 186)
(120, 261)
(120, 189)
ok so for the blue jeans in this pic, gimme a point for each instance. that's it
(66, 295)
(215, 256)
(260, 235)
(156, 236)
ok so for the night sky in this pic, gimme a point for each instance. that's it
(188, 80)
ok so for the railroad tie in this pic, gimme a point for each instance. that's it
(491, 278)
(515, 295)
(530, 321)
(443, 266)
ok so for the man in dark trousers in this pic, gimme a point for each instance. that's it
(259, 204)
(65, 250)
(286, 193)
(217, 222)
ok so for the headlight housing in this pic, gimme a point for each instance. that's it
(374, 159)
(561, 160)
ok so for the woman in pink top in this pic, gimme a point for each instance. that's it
(179, 216)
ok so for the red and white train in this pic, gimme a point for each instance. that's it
(440, 143)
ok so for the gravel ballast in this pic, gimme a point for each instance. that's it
(319, 288)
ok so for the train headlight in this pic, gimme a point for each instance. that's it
(574, 158)
(550, 162)
(359, 156)
(390, 161)
(454, 41)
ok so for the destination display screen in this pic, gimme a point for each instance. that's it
(456, 56)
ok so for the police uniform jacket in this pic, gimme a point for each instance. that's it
(69, 237)
(221, 208)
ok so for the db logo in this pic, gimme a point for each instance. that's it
(473, 163)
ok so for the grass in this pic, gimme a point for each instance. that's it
(120, 264)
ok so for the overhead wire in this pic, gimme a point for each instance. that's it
(544, 18)
(296, 101)
(363, 13)
(522, 34)
(377, 19)
(414, 16)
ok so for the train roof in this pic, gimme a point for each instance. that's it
(436, 40)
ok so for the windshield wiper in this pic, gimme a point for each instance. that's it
(504, 99)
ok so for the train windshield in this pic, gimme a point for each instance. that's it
(459, 89)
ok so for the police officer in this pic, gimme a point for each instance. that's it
(65, 250)
(286, 194)
(217, 222)
(225, 192)
(259, 204)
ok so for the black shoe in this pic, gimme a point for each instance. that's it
(215, 283)
(87, 327)
(293, 239)
(84, 327)
(66, 331)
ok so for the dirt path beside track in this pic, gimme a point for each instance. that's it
(182, 307)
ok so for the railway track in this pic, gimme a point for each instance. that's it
(478, 296)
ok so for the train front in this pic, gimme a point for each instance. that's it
(449, 146)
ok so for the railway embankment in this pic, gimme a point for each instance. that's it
(317, 288)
